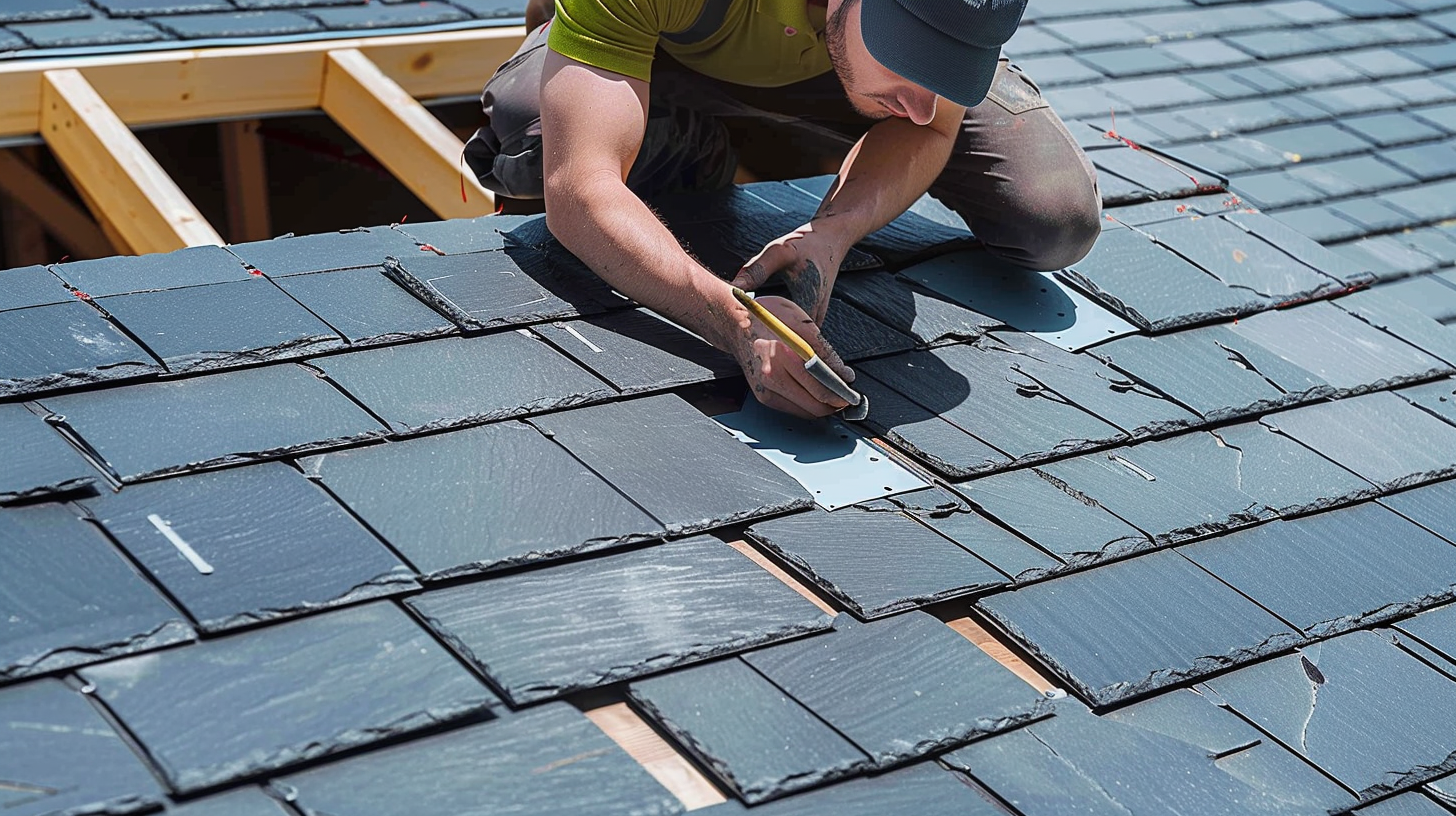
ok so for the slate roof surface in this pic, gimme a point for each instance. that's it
(362, 522)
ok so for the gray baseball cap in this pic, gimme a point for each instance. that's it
(948, 46)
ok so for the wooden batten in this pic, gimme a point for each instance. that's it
(397, 130)
(672, 770)
(122, 181)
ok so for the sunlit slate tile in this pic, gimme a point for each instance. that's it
(909, 236)
(1174, 489)
(1160, 621)
(508, 287)
(653, 609)
(221, 325)
(1412, 803)
(70, 597)
(1427, 162)
(1243, 260)
(876, 562)
(249, 544)
(1431, 506)
(31, 286)
(286, 694)
(1079, 533)
(469, 501)
(1275, 190)
(750, 734)
(1214, 371)
(1331, 703)
(1345, 351)
(264, 23)
(924, 789)
(1434, 628)
(674, 462)
(1287, 476)
(1160, 177)
(1153, 287)
(459, 236)
(364, 307)
(1402, 320)
(462, 381)
(97, 31)
(244, 801)
(22, 11)
(548, 759)
(897, 688)
(974, 390)
(930, 439)
(1357, 583)
(1121, 763)
(1379, 436)
(291, 255)
(193, 266)
(63, 346)
(1300, 246)
(927, 317)
(37, 461)
(954, 518)
(637, 351)
(62, 757)
(1037, 303)
(221, 419)
(1426, 294)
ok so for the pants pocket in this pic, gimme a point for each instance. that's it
(1015, 91)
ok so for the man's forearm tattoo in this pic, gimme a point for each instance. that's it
(806, 287)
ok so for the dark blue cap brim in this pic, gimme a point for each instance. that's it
(926, 56)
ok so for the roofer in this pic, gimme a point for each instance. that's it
(613, 101)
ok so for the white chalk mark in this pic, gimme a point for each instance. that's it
(571, 330)
(181, 544)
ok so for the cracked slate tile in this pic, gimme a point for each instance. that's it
(461, 380)
(1355, 585)
(31, 286)
(877, 563)
(459, 236)
(364, 307)
(924, 789)
(1078, 533)
(509, 287)
(38, 463)
(245, 801)
(1214, 371)
(469, 501)
(1432, 506)
(1330, 702)
(66, 345)
(1158, 176)
(855, 335)
(751, 735)
(896, 688)
(547, 759)
(348, 249)
(121, 275)
(1178, 488)
(1394, 317)
(249, 544)
(1301, 247)
(220, 325)
(953, 518)
(1153, 287)
(1340, 348)
(636, 351)
(1287, 476)
(674, 462)
(1125, 765)
(1033, 302)
(654, 609)
(63, 759)
(927, 437)
(220, 419)
(1379, 436)
(286, 694)
(927, 317)
(71, 598)
(1242, 260)
(971, 388)
(1413, 803)
(1160, 621)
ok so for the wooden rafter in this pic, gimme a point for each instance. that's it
(103, 157)
(61, 217)
(397, 130)
(245, 180)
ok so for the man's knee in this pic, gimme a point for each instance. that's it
(1060, 224)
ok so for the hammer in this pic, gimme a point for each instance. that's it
(859, 404)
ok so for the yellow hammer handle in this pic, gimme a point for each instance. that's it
(784, 333)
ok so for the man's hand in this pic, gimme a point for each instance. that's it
(809, 262)
(776, 373)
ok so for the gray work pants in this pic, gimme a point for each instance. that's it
(1016, 175)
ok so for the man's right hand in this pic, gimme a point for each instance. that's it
(777, 374)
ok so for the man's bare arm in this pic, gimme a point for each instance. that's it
(592, 124)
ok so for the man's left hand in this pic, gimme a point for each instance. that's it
(809, 262)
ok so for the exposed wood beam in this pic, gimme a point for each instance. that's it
(397, 130)
(222, 83)
(245, 181)
(120, 179)
(24, 235)
(976, 633)
(62, 218)
(681, 778)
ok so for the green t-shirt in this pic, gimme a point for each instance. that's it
(762, 43)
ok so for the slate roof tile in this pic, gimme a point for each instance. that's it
(655, 609)
(1378, 436)
(377, 15)
(935, 442)
(637, 351)
(955, 519)
(265, 23)
(193, 266)
(30, 286)
(65, 345)
(364, 307)
(96, 31)
(22, 11)
(37, 461)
